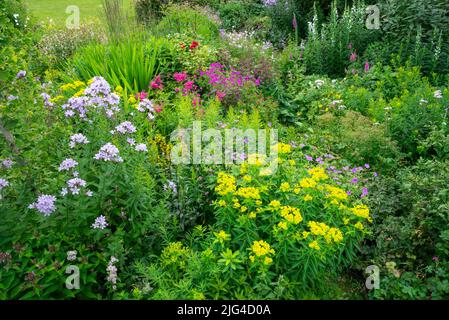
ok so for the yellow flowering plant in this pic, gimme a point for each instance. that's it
(296, 221)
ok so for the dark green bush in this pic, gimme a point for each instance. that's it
(411, 230)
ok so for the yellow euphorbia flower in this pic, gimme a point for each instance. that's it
(307, 183)
(285, 187)
(314, 245)
(261, 248)
(225, 184)
(308, 197)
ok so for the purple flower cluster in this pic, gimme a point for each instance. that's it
(77, 139)
(97, 96)
(76, 105)
(269, 3)
(170, 185)
(7, 163)
(125, 127)
(112, 272)
(67, 164)
(100, 223)
(146, 106)
(354, 180)
(3, 184)
(109, 152)
(75, 185)
(141, 147)
(47, 100)
(71, 255)
(45, 204)
(131, 141)
(99, 86)
(21, 74)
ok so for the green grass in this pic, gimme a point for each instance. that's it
(90, 10)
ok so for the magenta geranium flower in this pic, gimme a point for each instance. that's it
(157, 83)
(180, 76)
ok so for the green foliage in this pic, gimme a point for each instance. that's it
(405, 101)
(411, 209)
(10, 25)
(132, 63)
(236, 15)
(330, 44)
(148, 11)
(358, 140)
(60, 45)
(185, 19)
(422, 30)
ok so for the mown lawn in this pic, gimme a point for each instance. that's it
(90, 10)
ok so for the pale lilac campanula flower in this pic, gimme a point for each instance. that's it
(146, 106)
(269, 3)
(7, 163)
(45, 204)
(109, 152)
(125, 127)
(141, 147)
(364, 192)
(75, 185)
(100, 223)
(47, 100)
(21, 74)
(67, 164)
(3, 184)
(71, 255)
(77, 139)
(112, 272)
(170, 185)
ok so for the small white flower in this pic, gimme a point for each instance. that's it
(71, 255)
(319, 83)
